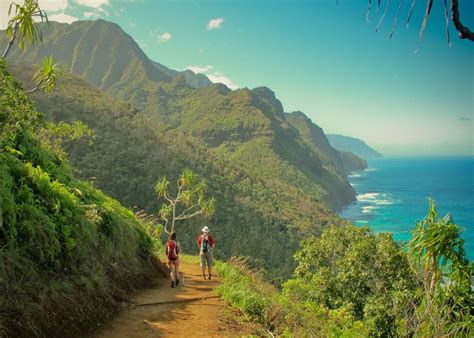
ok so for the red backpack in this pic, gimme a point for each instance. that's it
(172, 250)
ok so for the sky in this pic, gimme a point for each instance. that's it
(402, 96)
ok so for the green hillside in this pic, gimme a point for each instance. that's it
(131, 151)
(314, 136)
(240, 124)
(66, 249)
(272, 186)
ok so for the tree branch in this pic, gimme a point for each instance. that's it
(10, 43)
(32, 90)
(464, 32)
(189, 216)
(188, 209)
(165, 195)
(166, 225)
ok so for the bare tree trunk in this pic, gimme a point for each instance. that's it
(32, 90)
(434, 275)
(10, 43)
(174, 217)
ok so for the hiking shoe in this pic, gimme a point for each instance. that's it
(172, 284)
(177, 282)
(209, 277)
(204, 276)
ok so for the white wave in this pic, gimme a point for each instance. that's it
(384, 202)
(368, 197)
(370, 169)
(356, 175)
(375, 198)
(368, 209)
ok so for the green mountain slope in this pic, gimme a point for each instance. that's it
(241, 124)
(67, 251)
(98, 51)
(353, 145)
(272, 186)
(256, 217)
(344, 162)
(192, 79)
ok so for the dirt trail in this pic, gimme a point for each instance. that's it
(192, 310)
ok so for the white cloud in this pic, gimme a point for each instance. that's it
(96, 12)
(215, 23)
(198, 69)
(92, 3)
(219, 78)
(165, 37)
(4, 14)
(47, 5)
(61, 17)
(90, 14)
(160, 38)
(215, 77)
(53, 5)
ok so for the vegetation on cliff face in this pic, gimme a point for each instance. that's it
(66, 249)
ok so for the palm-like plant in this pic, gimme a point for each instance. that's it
(47, 74)
(188, 202)
(23, 23)
(436, 242)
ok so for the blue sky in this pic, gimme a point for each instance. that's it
(401, 96)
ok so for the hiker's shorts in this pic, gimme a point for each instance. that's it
(206, 259)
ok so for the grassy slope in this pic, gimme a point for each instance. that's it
(67, 251)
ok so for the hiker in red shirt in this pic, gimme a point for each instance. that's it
(206, 245)
(173, 249)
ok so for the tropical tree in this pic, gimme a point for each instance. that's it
(187, 201)
(446, 300)
(47, 74)
(436, 244)
(23, 24)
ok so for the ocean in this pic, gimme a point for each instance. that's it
(392, 194)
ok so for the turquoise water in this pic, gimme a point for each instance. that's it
(392, 194)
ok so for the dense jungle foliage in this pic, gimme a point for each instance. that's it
(351, 282)
(65, 247)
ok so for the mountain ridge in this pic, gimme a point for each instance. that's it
(354, 145)
(268, 180)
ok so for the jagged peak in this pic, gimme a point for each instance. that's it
(264, 92)
(298, 114)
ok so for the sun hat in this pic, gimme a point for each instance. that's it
(205, 229)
